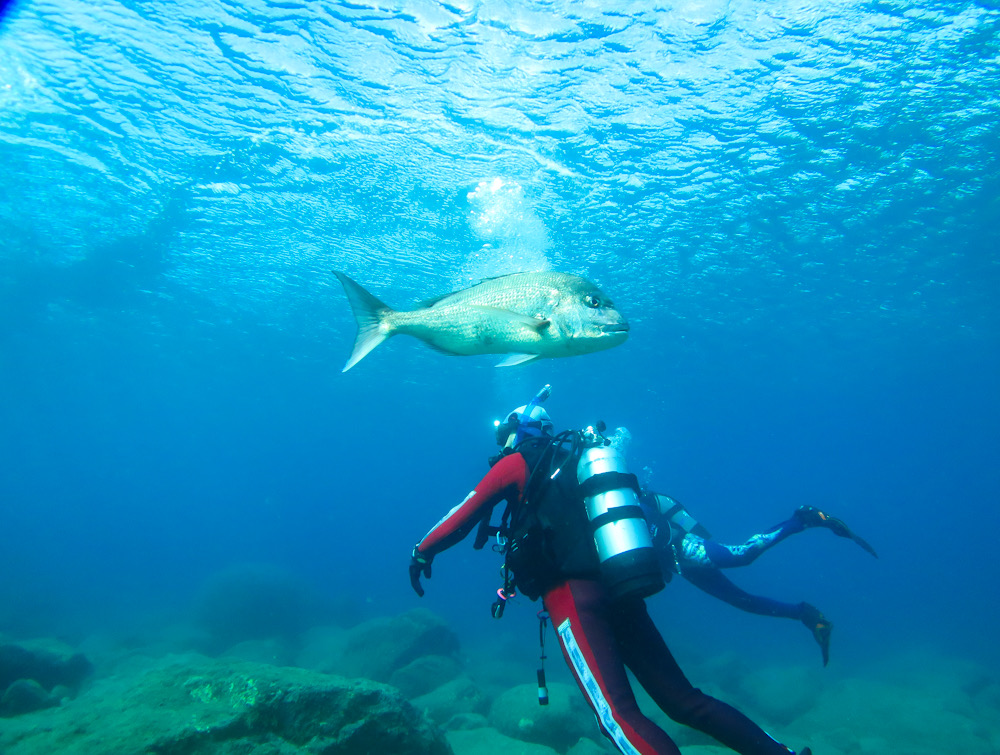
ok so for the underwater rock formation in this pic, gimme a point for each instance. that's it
(425, 674)
(257, 602)
(211, 707)
(559, 725)
(38, 674)
(25, 696)
(378, 648)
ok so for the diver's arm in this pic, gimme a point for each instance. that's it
(505, 480)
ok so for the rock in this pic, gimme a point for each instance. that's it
(272, 651)
(25, 696)
(909, 718)
(47, 662)
(782, 694)
(322, 649)
(559, 725)
(425, 674)
(590, 747)
(490, 742)
(379, 647)
(465, 721)
(213, 707)
(255, 602)
(460, 695)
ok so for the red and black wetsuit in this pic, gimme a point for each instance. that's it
(599, 637)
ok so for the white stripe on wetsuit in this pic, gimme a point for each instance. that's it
(593, 690)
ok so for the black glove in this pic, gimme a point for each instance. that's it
(419, 563)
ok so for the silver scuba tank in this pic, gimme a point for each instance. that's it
(629, 566)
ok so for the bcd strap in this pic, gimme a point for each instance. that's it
(484, 533)
(602, 483)
(678, 515)
(616, 514)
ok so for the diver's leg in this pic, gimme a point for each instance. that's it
(647, 655)
(580, 612)
(708, 552)
(718, 585)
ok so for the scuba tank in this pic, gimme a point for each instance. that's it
(629, 566)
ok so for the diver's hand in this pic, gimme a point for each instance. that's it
(419, 563)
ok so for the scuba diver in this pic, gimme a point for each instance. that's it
(574, 534)
(685, 548)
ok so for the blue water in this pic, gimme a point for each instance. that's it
(795, 203)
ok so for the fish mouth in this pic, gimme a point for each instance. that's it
(619, 327)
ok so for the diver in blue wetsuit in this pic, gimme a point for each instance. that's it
(685, 548)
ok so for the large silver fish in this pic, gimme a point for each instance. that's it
(526, 315)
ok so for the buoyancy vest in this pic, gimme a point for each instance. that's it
(549, 537)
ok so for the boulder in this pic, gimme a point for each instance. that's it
(426, 673)
(490, 742)
(465, 721)
(590, 747)
(200, 706)
(257, 602)
(376, 649)
(861, 715)
(47, 662)
(272, 651)
(559, 725)
(781, 694)
(25, 696)
(460, 695)
(322, 649)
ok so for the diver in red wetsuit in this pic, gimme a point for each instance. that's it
(567, 509)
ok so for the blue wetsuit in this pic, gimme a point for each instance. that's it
(700, 560)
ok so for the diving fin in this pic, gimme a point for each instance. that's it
(820, 626)
(810, 516)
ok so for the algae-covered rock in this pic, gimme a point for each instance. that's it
(214, 707)
(559, 725)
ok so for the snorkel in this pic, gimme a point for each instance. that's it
(526, 426)
(519, 423)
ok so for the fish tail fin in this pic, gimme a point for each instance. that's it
(370, 313)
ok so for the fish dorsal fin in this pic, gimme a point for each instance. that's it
(535, 323)
(515, 359)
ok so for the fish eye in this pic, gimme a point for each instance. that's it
(592, 301)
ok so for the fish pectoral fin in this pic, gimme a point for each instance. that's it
(514, 359)
(534, 323)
